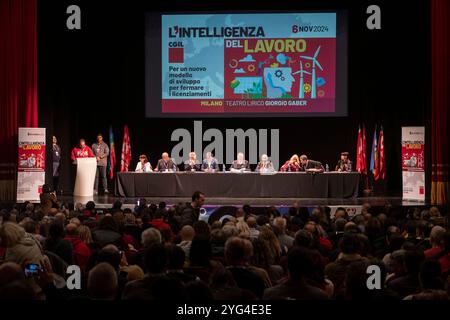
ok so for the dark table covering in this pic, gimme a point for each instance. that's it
(238, 185)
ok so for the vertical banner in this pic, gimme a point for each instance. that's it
(413, 163)
(31, 165)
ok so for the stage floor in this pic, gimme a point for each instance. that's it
(106, 201)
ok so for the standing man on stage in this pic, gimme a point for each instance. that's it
(344, 164)
(310, 165)
(56, 159)
(101, 152)
(165, 164)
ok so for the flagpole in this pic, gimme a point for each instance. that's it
(367, 190)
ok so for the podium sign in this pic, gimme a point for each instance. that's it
(31, 164)
(84, 183)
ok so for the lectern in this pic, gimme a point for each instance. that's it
(84, 183)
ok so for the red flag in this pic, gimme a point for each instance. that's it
(363, 156)
(382, 168)
(126, 151)
(359, 151)
(361, 164)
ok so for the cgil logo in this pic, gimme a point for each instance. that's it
(235, 141)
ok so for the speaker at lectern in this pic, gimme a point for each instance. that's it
(84, 183)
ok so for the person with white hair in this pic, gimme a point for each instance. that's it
(20, 245)
(149, 238)
(265, 165)
(437, 242)
(187, 233)
(240, 164)
(165, 164)
(192, 164)
(210, 164)
(285, 240)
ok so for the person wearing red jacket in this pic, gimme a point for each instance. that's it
(81, 151)
(293, 164)
(81, 251)
(159, 223)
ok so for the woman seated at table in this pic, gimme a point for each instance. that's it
(265, 165)
(292, 164)
(192, 163)
(143, 164)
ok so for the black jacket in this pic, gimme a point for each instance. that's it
(163, 165)
(311, 164)
(189, 215)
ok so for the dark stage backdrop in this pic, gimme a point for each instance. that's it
(92, 78)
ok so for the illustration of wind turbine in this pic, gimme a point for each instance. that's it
(301, 93)
(314, 63)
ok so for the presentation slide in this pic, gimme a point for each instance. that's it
(271, 64)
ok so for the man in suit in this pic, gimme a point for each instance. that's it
(210, 164)
(240, 164)
(307, 164)
(165, 164)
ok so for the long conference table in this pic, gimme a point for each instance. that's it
(238, 185)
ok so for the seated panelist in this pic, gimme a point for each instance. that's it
(265, 165)
(165, 164)
(143, 164)
(292, 165)
(310, 165)
(344, 164)
(240, 164)
(192, 163)
(210, 164)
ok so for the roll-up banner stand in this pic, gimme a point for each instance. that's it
(413, 163)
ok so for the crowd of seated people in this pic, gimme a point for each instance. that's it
(165, 252)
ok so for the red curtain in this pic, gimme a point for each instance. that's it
(18, 83)
(440, 102)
